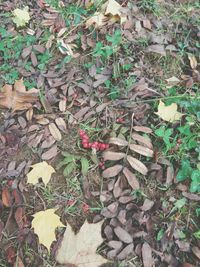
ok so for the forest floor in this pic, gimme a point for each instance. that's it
(106, 93)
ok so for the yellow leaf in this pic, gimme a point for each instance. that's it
(40, 170)
(168, 113)
(21, 16)
(80, 249)
(44, 224)
(98, 20)
(114, 9)
(193, 61)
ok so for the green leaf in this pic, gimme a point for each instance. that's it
(160, 234)
(69, 169)
(160, 132)
(184, 172)
(65, 161)
(84, 166)
(197, 234)
(195, 184)
(180, 203)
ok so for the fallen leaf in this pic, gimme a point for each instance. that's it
(114, 9)
(51, 153)
(17, 98)
(142, 150)
(118, 141)
(168, 113)
(146, 24)
(112, 171)
(80, 249)
(196, 252)
(142, 129)
(109, 155)
(123, 235)
(193, 61)
(44, 224)
(137, 165)
(126, 252)
(147, 255)
(55, 131)
(6, 197)
(172, 81)
(157, 48)
(141, 139)
(19, 262)
(61, 124)
(98, 20)
(40, 170)
(21, 16)
(131, 178)
(147, 205)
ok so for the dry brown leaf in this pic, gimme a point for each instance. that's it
(16, 97)
(98, 20)
(118, 141)
(62, 105)
(115, 9)
(143, 140)
(141, 150)
(147, 24)
(157, 48)
(55, 132)
(61, 124)
(196, 252)
(29, 114)
(112, 171)
(147, 255)
(131, 178)
(137, 165)
(123, 235)
(51, 153)
(147, 205)
(109, 155)
(6, 197)
(193, 61)
(43, 121)
(142, 129)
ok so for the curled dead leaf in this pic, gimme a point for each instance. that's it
(137, 165)
(109, 155)
(112, 171)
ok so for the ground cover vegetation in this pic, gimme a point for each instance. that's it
(99, 133)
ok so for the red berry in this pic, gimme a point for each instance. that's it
(81, 133)
(85, 145)
(89, 145)
(85, 137)
(120, 120)
(103, 147)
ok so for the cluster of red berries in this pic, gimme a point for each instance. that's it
(86, 144)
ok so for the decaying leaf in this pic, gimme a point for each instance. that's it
(112, 171)
(131, 178)
(118, 141)
(109, 155)
(16, 97)
(172, 81)
(44, 224)
(21, 16)
(98, 20)
(143, 140)
(147, 255)
(6, 197)
(168, 113)
(142, 129)
(142, 150)
(137, 165)
(157, 48)
(55, 131)
(193, 61)
(80, 249)
(40, 170)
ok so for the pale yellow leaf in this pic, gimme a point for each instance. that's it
(40, 170)
(98, 20)
(193, 61)
(44, 224)
(80, 249)
(115, 9)
(21, 16)
(168, 113)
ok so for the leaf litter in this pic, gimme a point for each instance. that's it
(70, 94)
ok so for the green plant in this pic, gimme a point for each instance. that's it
(72, 162)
